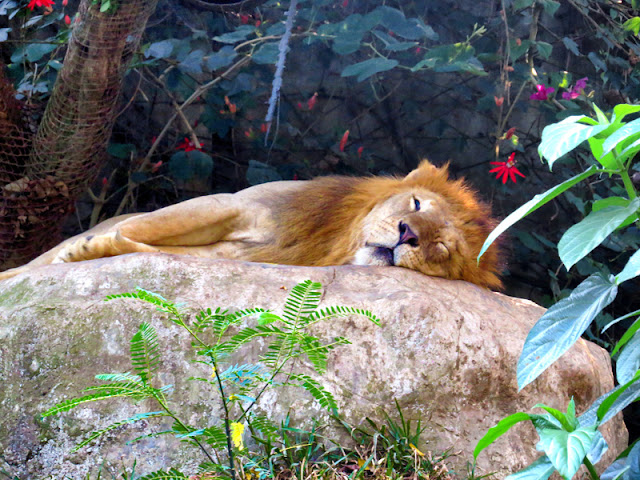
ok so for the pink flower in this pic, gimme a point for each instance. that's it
(507, 169)
(576, 90)
(542, 92)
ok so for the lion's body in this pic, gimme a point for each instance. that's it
(425, 222)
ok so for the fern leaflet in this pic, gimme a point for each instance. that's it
(120, 378)
(247, 334)
(262, 424)
(338, 311)
(108, 391)
(302, 301)
(97, 433)
(322, 396)
(317, 352)
(145, 354)
(172, 474)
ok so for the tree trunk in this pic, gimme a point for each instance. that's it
(69, 147)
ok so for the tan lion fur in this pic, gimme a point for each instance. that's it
(316, 223)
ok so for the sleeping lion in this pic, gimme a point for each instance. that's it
(423, 221)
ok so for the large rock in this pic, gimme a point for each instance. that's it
(446, 351)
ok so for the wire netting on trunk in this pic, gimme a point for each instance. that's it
(42, 175)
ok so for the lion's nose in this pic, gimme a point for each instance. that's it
(406, 235)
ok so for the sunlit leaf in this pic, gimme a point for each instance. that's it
(561, 326)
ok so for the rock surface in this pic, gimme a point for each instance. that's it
(446, 351)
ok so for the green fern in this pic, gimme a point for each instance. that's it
(322, 396)
(317, 353)
(302, 301)
(263, 425)
(336, 312)
(98, 433)
(105, 391)
(162, 304)
(144, 352)
(172, 474)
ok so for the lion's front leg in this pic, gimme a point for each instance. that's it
(90, 247)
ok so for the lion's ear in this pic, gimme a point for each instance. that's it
(427, 170)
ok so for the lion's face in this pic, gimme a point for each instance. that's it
(413, 230)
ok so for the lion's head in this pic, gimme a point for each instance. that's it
(424, 222)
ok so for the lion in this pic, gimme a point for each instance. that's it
(424, 222)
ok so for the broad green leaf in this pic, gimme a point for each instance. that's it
(616, 471)
(190, 165)
(501, 428)
(364, 70)
(239, 34)
(598, 448)
(566, 450)
(162, 49)
(544, 49)
(533, 204)
(560, 138)
(458, 57)
(561, 326)
(550, 7)
(624, 109)
(394, 20)
(390, 43)
(633, 461)
(597, 61)
(621, 134)
(628, 361)
(192, 63)
(541, 469)
(630, 393)
(596, 144)
(602, 118)
(630, 270)
(221, 58)
(565, 421)
(632, 25)
(267, 54)
(35, 51)
(611, 398)
(629, 151)
(635, 326)
(571, 45)
(583, 237)
(618, 201)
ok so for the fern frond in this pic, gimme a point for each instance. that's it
(338, 311)
(97, 433)
(243, 375)
(149, 435)
(162, 304)
(120, 378)
(263, 425)
(145, 354)
(318, 353)
(322, 396)
(215, 436)
(301, 302)
(172, 474)
(206, 318)
(106, 391)
(246, 335)
(281, 350)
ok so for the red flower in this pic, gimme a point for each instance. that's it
(312, 101)
(244, 19)
(343, 142)
(40, 3)
(507, 169)
(542, 92)
(188, 146)
(499, 101)
(67, 20)
(360, 150)
(345, 3)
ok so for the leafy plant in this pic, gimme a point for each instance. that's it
(238, 386)
(614, 144)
